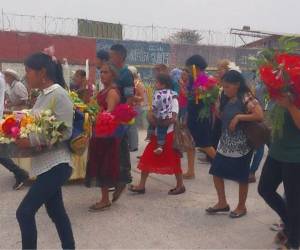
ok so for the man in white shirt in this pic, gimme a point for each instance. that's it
(17, 92)
(20, 174)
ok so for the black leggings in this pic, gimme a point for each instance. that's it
(46, 190)
(273, 174)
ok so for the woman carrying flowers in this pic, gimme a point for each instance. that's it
(104, 153)
(281, 75)
(52, 167)
(199, 120)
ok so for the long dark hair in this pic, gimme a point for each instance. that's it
(53, 69)
(235, 78)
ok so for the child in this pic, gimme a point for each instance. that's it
(162, 110)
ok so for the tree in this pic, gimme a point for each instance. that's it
(185, 37)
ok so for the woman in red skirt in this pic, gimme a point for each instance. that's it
(166, 163)
(103, 160)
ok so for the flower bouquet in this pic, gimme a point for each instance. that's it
(24, 124)
(206, 89)
(114, 124)
(279, 70)
(91, 108)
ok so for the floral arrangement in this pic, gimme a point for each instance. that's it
(279, 70)
(113, 124)
(207, 90)
(91, 108)
(22, 124)
(124, 114)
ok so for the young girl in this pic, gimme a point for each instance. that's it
(162, 110)
(234, 155)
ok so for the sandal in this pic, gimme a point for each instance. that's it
(176, 191)
(212, 210)
(137, 191)
(235, 215)
(97, 208)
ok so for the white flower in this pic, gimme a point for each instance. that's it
(233, 66)
(47, 112)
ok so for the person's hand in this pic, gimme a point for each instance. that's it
(234, 122)
(23, 143)
(284, 101)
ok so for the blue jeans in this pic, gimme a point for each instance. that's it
(46, 190)
(258, 155)
(161, 133)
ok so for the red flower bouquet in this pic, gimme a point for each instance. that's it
(124, 113)
(106, 125)
(280, 72)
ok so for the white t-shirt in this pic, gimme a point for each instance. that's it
(2, 94)
(175, 109)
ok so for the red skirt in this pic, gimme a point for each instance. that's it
(104, 161)
(166, 163)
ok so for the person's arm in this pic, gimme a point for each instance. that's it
(140, 93)
(112, 99)
(175, 110)
(286, 102)
(255, 114)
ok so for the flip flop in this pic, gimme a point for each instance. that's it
(235, 215)
(137, 191)
(212, 210)
(176, 191)
(94, 208)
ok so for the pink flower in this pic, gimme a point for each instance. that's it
(15, 132)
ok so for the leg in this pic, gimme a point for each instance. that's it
(180, 188)
(56, 211)
(270, 179)
(220, 188)
(243, 192)
(20, 174)
(133, 137)
(40, 192)
(161, 135)
(191, 165)
(161, 138)
(143, 180)
(179, 181)
(140, 188)
(125, 165)
(291, 176)
(258, 155)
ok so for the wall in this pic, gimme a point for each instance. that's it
(16, 46)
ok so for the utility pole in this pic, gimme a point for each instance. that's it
(2, 16)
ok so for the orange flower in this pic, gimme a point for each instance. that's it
(26, 120)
